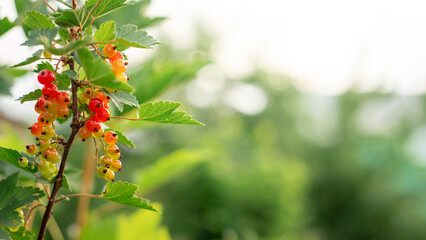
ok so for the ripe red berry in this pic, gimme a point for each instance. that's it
(116, 56)
(102, 115)
(45, 77)
(43, 121)
(36, 129)
(49, 91)
(40, 104)
(111, 137)
(93, 125)
(63, 98)
(95, 105)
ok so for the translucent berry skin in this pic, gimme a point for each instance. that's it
(105, 161)
(36, 129)
(116, 165)
(47, 54)
(31, 149)
(118, 66)
(111, 137)
(44, 143)
(63, 99)
(88, 93)
(109, 175)
(84, 134)
(49, 116)
(40, 104)
(51, 106)
(104, 98)
(48, 132)
(23, 162)
(113, 151)
(51, 155)
(101, 172)
(96, 104)
(49, 91)
(99, 133)
(102, 115)
(45, 77)
(63, 112)
(117, 55)
(110, 50)
(43, 121)
(93, 125)
(43, 165)
(123, 78)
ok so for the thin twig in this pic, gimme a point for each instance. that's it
(97, 51)
(78, 195)
(111, 41)
(45, 189)
(29, 213)
(48, 5)
(93, 10)
(74, 4)
(125, 118)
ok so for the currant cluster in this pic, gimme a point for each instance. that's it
(51, 105)
(109, 163)
(118, 65)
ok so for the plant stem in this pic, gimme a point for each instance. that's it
(111, 41)
(93, 10)
(48, 5)
(75, 126)
(125, 118)
(74, 4)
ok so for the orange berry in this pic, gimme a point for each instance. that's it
(110, 50)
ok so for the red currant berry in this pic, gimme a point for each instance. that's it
(31, 149)
(63, 98)
(99, 133)
(36, 129)
(45, 77)
(51, 106)
(104, 98)
(51, 155)
(49, 91)
(106, 161)
(117, 55)
(40, 104)
(84, 133)
(110, 50)
(116, 165)
(119, 66)
(48, 132)
(113, 151)
(111, 137)
(93, 125)
(102, 115)
(43, 121)
(95, 105)
(88, 93)
(63, 112)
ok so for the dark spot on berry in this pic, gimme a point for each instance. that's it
(114, 134)
(96, 129)
(108, 119)
(38, 144)
(45, 156)
(107, 166)
(98, 105)
(104, 171)
(117, 151)
(83, 140)
(119, 169)
(43, 73)
(20, 159)
(126, 63)
(46, 96)
(46, 106)
(42, 119)
(65, 116)
(128, 78)
(66, 100)
(28, 146)
(108, 97)
(43, 133)
(115, 47)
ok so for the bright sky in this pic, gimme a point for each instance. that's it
(326, 46)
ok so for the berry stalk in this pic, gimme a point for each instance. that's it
(75, 126)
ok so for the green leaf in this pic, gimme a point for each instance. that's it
(165, 112)
(37, 20)
(64, 34)
(73, 18)
(5, 25)
(88, 31)
(41, 37)
(130, 36)
(120, 98)
(106, 32)
(70, 47)
(13, 197)
(63, 81)
(4, 235)
(71, 74)
(34, 58)
(21, 234)
(169, 168)
(122, 138)
(124, 193)
(44, 65)
(32, 96)
(106, 6)
(11, 156)
(98, 72)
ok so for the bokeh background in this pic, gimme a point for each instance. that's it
(314, 112)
